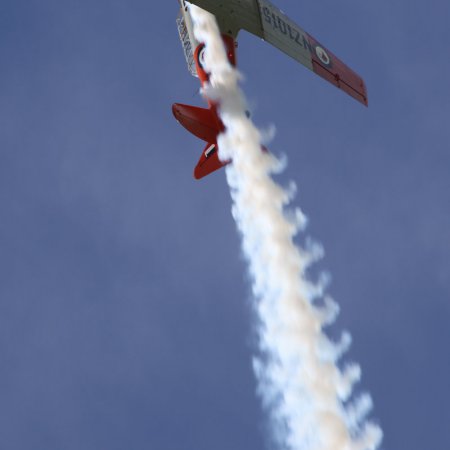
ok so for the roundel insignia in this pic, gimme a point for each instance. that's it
(323, 56)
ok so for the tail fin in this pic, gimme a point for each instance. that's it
(201, 122)
(209, 162)
(205, 124)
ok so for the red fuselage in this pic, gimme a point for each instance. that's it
(205, 123)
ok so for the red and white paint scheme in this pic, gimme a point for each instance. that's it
(266, 21)
(204, 123)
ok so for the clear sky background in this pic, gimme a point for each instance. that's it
(125, 318)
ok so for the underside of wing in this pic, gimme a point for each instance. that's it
(287, 36)
(266, 21)
(284, 34)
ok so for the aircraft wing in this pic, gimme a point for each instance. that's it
(262, 18)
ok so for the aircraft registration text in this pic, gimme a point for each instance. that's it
(280, 25)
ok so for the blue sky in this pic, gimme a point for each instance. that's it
(125, 317)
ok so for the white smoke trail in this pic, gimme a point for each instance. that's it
(307, 395)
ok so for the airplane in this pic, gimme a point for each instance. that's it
(266, 21)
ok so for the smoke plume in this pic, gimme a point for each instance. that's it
(308, 397)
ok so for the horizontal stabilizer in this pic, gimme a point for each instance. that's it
(209, 162)
(201, 122)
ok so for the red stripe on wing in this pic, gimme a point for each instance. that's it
(332, 69)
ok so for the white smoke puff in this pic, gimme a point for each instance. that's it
(330, 351)
(297, 218)
(302, 390)
(328, 313)
(358, 410)
(348, 378)
(314, 251)
(267, 136)
(370, 437)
